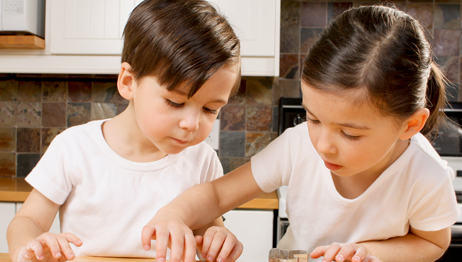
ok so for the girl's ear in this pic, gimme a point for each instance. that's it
(125, 81)
(415, 123)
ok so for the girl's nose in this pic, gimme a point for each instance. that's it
(325, 144)
(190, 121)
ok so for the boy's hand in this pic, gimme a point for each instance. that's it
(343, 252)
(49, 247)
(220, 244)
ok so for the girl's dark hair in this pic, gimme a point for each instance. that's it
(178, 41)
(385, 51)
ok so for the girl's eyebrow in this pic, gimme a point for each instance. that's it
(350, 125)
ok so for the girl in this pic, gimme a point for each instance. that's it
(364, 183)
(108, 178)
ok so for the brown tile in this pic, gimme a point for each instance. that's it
(7, 139)
(334, 9)
(48, 134)
(446, 42)
(286, 88)
(308, 37)
(8, 90)
(105, 92)
(54, 91)
(258, 118)
(313, 14)
(78, 113)
(29, 91)
(240, 97)
(289, 66)
(255, 142)
(103, 110)
(8, 114)
(25, 163)
(54, 114)
(447, 16)
(259, 91)
(422, 12)
(232, 144)
(7, 164)
(28, 140)
(79, 91)
(290, 27)
(447, 1)
(290, 13)
(450, 67)
(29, 114)
(231, 163)
(232, 118)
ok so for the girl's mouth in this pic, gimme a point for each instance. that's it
(332, 166)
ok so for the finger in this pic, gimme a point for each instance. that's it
(360, 255)
(332, 251)
(236, 252)
(162, 239)
(319, 251)
(66, 249)
(374, 259)
(50, 240)
(190, 248)
(146, 236)
(227, 248)
(177, 246)
(215, 246)
(347, 251)
(207, 241)
(37, 248)
(73, 239)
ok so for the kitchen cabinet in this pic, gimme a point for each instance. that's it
(85, 37)
(7, 211)
(254, 228)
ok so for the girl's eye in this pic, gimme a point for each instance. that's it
(312, 120)
(173, 103)
(212, 111)
(350, 137)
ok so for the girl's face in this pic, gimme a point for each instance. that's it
(170, 120)
(351, 137)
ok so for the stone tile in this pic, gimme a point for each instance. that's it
(421, 1)
(447, 16)
(105, 92)
(29, 91)
(232, 144)
(48, 134)
(231, 163)
(240, 97)
(259, 118)
(7, 139)
(54, 114)
(453, 92)
(28, 114)
(54, 91)
(286, 88)
(232, 118)
(275, 122)
(290, 40)
(28, 140)
(26, 162)
(450, 67)
(121, 108)
(290, 13)
(79, 91)
(289, 66)
(290, 27)
(7, 164)
(446, 1)
(259, 91)
(422, 12)
(103, 110)
(255, 142)
(78, 113)
(313, 14)
(334, 9)
(308, 37)
(8, 90)
(446, 42)
(8, 113)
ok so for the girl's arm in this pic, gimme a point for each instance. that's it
(26, 238)
(195, 208)
(417, 245)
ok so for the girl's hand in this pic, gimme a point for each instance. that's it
(49, 247)
(220, 244)
(343, 252)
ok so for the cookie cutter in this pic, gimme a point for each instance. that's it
(282, 255)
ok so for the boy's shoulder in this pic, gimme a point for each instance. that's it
(83, 131)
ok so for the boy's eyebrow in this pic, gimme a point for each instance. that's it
(214, 101)
(350, 125)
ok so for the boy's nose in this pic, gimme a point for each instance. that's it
(190, 121)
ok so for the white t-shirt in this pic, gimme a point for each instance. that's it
(106, 199)
(416, 190)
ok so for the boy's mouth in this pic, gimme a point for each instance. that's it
(332, 166)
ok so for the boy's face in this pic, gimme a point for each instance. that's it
(171, 121)
(351, 137)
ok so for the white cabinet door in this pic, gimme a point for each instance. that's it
(254, 228)
(55, 227)
(7, 211)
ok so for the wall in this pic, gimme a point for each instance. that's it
(34, 108)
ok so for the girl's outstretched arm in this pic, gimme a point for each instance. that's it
(195, 208)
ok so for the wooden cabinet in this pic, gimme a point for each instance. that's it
(85, 37)
(7, 211)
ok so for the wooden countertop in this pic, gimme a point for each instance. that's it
(5, 258)
(17, 190)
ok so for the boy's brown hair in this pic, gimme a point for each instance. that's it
(178, 41)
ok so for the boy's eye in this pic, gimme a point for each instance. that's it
(171, 103)
(350, 137)
(212, 111)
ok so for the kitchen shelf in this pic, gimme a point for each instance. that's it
(21, 42)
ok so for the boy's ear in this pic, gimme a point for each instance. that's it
(415, 123)
(125, 81)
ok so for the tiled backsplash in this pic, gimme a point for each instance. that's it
(34, 108)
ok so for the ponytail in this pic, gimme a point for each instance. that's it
(436, 99)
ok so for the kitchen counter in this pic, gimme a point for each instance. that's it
(5, 258)
(17, 190)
